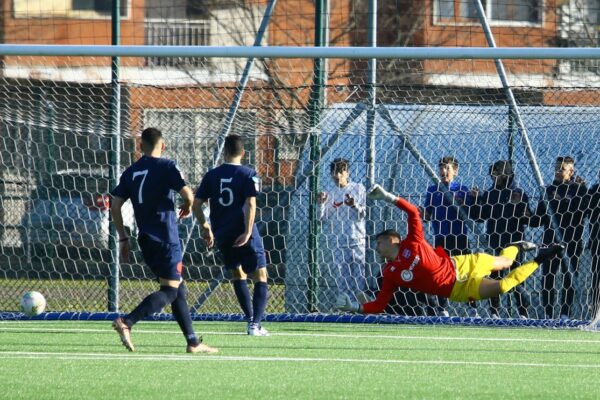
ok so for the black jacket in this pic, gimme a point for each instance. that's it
(506, 212)
(569, 203)
(594, 209)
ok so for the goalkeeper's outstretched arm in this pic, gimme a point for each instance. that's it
(381, 301)
(379, 193)
(345, 303)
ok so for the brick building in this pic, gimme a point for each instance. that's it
(190, 96)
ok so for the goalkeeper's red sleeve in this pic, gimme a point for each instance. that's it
(415, 226)
(383, 298)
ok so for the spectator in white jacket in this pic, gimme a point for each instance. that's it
(342, 211)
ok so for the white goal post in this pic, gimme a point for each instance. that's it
(434, 53)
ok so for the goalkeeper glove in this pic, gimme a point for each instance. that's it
(379, 193)
(344, 303)
(363, 298)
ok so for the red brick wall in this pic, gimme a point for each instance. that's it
(70, 31)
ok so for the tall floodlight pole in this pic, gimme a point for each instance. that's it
(315, 105)
(114, 153)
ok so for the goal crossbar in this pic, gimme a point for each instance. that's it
(302, 52)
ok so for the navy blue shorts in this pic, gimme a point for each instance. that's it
(164, 259)
(250, 256)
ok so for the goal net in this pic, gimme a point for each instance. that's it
(68, 131)
(58, 146)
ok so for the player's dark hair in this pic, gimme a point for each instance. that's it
(234, 145)
(150, 138)
(448, 160)
(389, 233)
(339, 164)
(565, 160)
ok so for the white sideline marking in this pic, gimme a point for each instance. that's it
(167, 357)
(332, 335)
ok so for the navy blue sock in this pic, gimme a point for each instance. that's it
(181, 312)
(153, 303)
(259, 301)
(243, 295)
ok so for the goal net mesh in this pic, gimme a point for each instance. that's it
(57, 148)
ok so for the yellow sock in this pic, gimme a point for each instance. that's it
(510, 252)
(517, 275)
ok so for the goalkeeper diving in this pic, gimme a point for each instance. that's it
(413, 263)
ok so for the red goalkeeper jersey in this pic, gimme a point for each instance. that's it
(417, 266)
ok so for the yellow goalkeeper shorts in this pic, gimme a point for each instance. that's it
(470, 271)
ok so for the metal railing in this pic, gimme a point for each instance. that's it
(176, 33)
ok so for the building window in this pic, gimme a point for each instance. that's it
(292, 127)
(579, 26)
(76, 9)
(102, 8)
(177, 33)
(497, 11)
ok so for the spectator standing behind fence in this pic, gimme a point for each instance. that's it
(342, 211)
(505, 209)
(594, 244)
(566, 197)
(449, 230)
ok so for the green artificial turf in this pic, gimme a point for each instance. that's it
(85, 360)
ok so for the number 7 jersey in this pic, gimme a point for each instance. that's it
(227, 187)
(150, 183)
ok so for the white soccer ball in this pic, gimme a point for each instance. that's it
(33, 303)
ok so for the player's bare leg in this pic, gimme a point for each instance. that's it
(174, 283)
(489, 288)
(238, 273)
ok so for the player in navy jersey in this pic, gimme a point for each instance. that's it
(231, 190)
(150, 184)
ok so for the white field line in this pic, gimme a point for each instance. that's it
(331, 335)
(166, 357)
(332, 325)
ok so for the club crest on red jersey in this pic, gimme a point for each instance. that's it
(406, 275)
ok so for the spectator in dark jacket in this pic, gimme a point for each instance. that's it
(594, 243)
(567, 200)
(505, 209)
